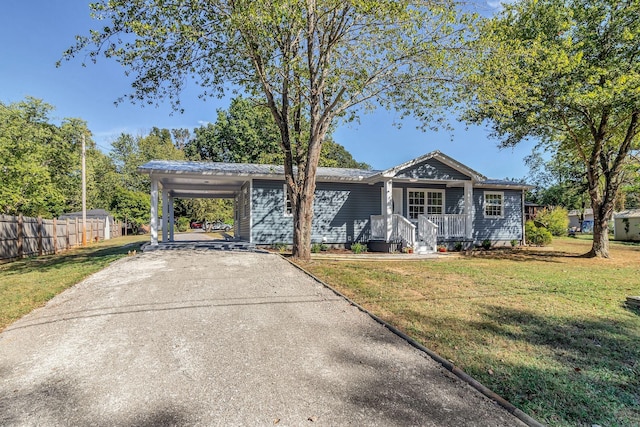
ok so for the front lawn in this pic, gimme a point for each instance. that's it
(544, 328)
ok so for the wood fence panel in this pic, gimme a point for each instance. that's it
(61, 236)
(30, 237)
(8, 237)
(25, 236)
(48, 246)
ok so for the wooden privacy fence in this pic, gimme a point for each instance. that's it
(25, 236)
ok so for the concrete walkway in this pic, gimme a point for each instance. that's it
(220, 338)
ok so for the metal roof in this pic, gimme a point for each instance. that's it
(196, 179)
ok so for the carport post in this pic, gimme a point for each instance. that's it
(171, 219)
(154, 210)
(165, 213)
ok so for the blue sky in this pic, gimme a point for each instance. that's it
(34, 33)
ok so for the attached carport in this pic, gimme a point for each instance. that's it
(209, 180)
(196, 180)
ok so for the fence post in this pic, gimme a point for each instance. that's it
(20, 236)
(55, 236)
(67, 233)
(40, 236)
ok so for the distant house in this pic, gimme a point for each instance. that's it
(430, 200)
(581, 220)
(627, 225)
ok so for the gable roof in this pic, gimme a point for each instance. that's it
(465, 170)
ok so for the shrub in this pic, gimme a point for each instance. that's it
(458, 246)
(535, 235)
(486, 244)
(279, 246)
(183, 224)
(316, 248)
(555, 220)
(358, 248)
(514, 243)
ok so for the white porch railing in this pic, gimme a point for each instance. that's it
(401, 229)
(427, 233)
(449, 226)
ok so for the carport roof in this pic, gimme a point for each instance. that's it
(196, 179)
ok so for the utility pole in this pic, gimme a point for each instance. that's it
(84, 193)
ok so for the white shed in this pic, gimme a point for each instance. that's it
(627, 225)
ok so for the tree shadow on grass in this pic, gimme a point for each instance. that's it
(77, 256)
(588, 370)
(539, 255)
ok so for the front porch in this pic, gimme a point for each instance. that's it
(423, 236)
(415, 216)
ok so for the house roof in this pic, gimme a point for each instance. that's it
(390, 173)
(576, 212)
(214, 179)
(629, 213)
(245, 169)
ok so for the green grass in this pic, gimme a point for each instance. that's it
(29, 283)
(544, 328)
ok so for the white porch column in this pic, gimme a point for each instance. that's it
(468, 209)
(165, 214)
(388, 212)
(171, 219)
(154, 211)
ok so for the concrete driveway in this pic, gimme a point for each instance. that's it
(220, 338)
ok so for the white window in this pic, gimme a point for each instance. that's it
(493, 204)
(425, 202)
(288, 208)
(435, 202)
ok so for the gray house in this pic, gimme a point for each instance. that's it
(422, 203)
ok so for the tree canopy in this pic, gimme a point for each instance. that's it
(40, 161)
(565, 72)
(321, 59)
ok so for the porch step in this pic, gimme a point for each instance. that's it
(423, 249)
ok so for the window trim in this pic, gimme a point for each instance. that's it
(287, 208)
(426, 199)
(485, 205)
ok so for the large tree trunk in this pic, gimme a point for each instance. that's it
(303, 198)
(302, 223)
(600, 247)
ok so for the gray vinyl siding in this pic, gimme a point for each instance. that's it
(432, 169)
(341, 212)
(454, 200)
(244, 214)
(498, 229)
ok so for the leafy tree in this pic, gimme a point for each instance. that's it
(565, 72)
(559, 181)
(556, 220)
(129, 152)
(321, 60)
(131, 207)
(25, 138)
(247, 133)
